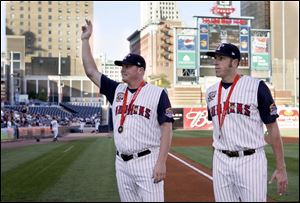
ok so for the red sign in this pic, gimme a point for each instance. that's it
(196, 119)
(223, 8)
(224, 21)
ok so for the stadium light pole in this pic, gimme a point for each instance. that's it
(59, 82)
(295, 81)
(11, 98)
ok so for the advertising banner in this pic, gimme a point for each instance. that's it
(288, 117)
(178, 118)
(186, 60)
(260, 48)
(196, 119)
(186, 43)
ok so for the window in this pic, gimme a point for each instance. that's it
(16, 56)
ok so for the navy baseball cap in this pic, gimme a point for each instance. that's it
(226, 49)
(132, 59)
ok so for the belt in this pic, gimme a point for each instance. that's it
(126, 157)
(238, 153)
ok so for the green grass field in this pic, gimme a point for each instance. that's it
(76, 171)
(203, 155)
(192, 133)
(83, 170)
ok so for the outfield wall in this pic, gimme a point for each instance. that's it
(32, 132)
(196, 119)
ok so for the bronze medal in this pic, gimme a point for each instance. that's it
(120, 129)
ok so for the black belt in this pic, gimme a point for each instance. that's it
(236, 153)
(126, 157)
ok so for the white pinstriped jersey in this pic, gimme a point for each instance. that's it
(242, 127)
(141, 127)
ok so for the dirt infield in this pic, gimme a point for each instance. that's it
(183, 184)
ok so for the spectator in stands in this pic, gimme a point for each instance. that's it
(54, 128)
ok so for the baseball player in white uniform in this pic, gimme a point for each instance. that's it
(54, 128)
(238, 107)
(142, 119)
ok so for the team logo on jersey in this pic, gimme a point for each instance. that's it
(120, 96)
(273, 110)
(211, 96)
(169, 113)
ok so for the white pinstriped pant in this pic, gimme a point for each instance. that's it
(135, 182)
(240, 178)
(55, 132)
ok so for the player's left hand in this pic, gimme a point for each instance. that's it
(280, 176)
(159, 172)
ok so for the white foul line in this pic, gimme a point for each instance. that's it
(69, 148)
(190, 166)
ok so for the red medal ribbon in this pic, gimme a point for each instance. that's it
(221, 119)
(123, 115)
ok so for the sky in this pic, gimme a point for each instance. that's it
(115, 21)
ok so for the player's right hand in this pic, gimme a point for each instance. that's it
(87, 30)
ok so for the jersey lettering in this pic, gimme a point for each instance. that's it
(136, 110)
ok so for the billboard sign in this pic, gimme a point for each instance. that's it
(260, 48)
(186, 60)
(213, 31)
(196, 119)
(186, 43)
(288, 117)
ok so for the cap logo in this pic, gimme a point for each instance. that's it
(219, 47)
(139, 63)
(232, 53)
(127, 56)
